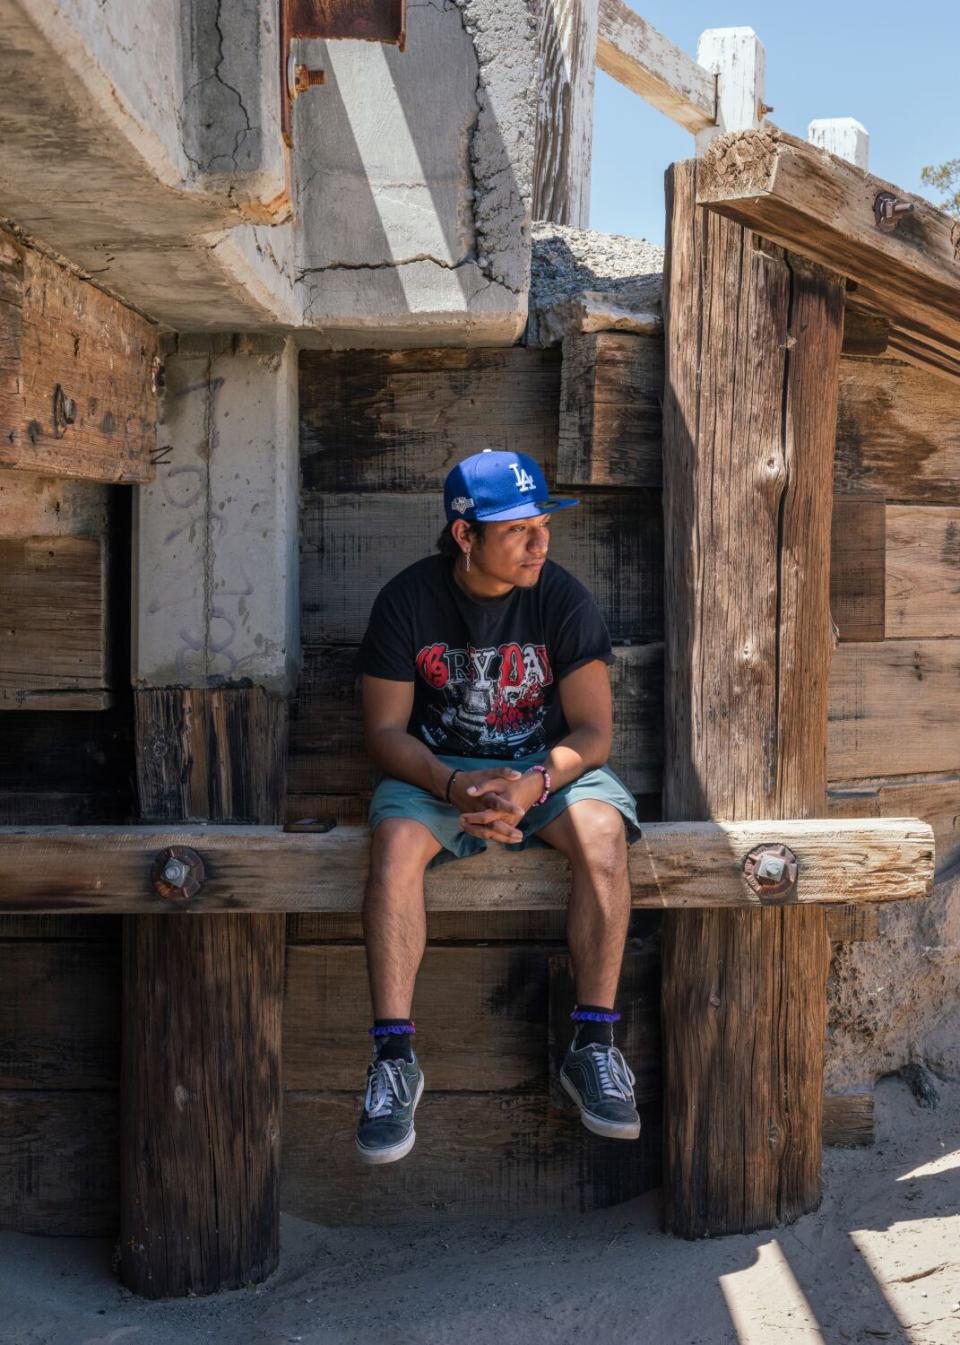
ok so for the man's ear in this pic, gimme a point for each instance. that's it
(460, 532)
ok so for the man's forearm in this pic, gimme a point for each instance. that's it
(399, 754)
(580, 751)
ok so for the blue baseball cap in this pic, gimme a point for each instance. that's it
(492, 487)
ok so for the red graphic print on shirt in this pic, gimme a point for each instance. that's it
(493, 698)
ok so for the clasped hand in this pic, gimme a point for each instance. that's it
(492, 803)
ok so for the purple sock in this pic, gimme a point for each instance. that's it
(393, 1038)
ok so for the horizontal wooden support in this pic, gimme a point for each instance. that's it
(674, 865)
(821, 206)
(636, 55)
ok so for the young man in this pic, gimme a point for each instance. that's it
(486, 702)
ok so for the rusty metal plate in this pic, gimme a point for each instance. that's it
(368, 20)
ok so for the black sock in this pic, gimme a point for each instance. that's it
(393, 1045)
(592, 1030)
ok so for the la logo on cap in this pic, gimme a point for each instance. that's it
(524, 480)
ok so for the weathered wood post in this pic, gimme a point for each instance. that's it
(752, 346)
(567, 41)
(215, 601)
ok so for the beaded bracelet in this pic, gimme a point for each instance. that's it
(546, 784)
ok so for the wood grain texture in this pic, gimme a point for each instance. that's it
(611, 410)
(898, 433)
(53, 615)
(848, 1120)
(807, 199)
(60, 1014)
(747, 656)
(483, 1154)
(399, 420)
(935, 799)
(567, 42)
(637, 56)
(480, 1012)
(676, 865)
(327, 753)
(61, 332)
(442, 926)
(218, 754)
(58, 1163)
(858, 567)
(894, 708)
(922, 570)
(68, 752)
(352, 544)
(202, 1013)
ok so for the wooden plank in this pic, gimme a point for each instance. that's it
(481, 1018)
(326, 727)
(53, 614)
(675, 865)
(442, 926)
(857, 567)
(352, 544)
(60, 1015)
(848, 1120)
(47, 506)
(79, 752)
(747, 653)
(933, 798)
(398, 420)
(894, 708)
(922, 571)
(202, 1005)
(77, 395)
(64, 927)
(611, 410)
(58, 1163)
(567, 44)
(483, 1154)
(637, 56)
(807, 199)
(196, 750)
(853, 924)
(865, 332)
(898, 434)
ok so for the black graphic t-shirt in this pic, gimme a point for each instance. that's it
(485, 673)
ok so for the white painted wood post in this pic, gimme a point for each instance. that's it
(737, 57)
(568, 63)
(843, 136)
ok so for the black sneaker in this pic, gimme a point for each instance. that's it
(385, 1131)
(601, 1084)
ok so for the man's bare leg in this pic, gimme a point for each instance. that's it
(394, 918)
(591, 835)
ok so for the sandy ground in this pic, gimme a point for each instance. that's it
(880, 1261)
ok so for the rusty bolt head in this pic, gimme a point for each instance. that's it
(887, 209)
(771, 870)
(177, 873)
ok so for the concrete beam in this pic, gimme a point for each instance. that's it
(215, 547)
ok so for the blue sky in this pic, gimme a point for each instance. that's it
(892, 66)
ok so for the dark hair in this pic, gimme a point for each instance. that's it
(446, 542)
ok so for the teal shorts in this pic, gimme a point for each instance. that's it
(396, 798)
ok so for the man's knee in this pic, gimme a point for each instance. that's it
(400, 850)
(594, 839)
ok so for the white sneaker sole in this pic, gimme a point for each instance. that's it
(373, 1157)
(613, 1130)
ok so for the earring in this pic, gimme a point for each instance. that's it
(466, 564)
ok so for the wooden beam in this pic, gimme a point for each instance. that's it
(857, 567)
(676, 865)
(822, 207)
(746, 658)
(611, 410)
(77, 374)
(564, 132)
(633, 53)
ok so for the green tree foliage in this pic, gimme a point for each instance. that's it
(945, 177)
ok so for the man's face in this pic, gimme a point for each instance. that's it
(513, 552)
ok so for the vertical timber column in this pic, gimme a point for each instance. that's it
(564, 135)
(214, 659)
(753, 340)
